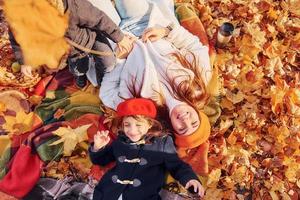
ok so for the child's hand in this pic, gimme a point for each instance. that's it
(126, 44)
(197, 187)
(100, 140)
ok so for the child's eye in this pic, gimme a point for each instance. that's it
(139, 125)
(126, 125)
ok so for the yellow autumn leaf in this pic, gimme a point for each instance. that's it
(241, 175)
(274, 195)
(39, 29)
(19, 124)
(213, 177)
(82, 164)
(293, 101)
(71, 137)
(248, 51)
(2, 107)
(213, 194)
(293, 169)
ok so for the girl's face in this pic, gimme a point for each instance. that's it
(185, 119)
(135, 129)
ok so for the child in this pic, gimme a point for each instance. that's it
(88, 27)
(143, 155)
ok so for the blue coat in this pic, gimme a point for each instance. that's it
(140, 169)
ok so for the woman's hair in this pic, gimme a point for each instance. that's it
(155, 126)
(192, 91)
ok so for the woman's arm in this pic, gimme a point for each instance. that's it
(186, 42)
(183, 39)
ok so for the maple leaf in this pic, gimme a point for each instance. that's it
(82, 164)
(39, 29)
(293, 101)
(71, 137)
(293, 171)
(21, 123)
(213, 177)
(213, 193)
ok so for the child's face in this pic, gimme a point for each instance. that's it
(135, 129)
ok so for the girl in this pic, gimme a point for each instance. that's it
(143, 155)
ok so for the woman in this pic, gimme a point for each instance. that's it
(170, 66)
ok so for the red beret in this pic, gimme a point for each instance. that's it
(137, 106)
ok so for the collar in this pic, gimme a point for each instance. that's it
(126, 139)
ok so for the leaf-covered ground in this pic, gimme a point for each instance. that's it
(254, 152)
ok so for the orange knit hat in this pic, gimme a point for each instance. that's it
(185, 142)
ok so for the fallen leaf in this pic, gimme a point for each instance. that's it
(71, 137)
(19, 124)
(39, 29)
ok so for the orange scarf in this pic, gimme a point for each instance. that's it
(186, 142)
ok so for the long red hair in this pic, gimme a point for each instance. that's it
(192, 91)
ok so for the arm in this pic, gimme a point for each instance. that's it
(110, 86)
(99, 152)
(180, 170)
(95, 19)
(103, 156)
(183, 39)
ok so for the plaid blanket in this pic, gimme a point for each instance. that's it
(24, 155)
(64, 189)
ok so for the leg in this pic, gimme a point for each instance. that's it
(103, 63)
(78, 65)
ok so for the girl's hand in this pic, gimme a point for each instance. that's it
(197, 187)
(154, 34)
(100, 140)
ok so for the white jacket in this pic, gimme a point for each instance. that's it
(148, 67)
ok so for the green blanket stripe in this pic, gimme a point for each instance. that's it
(4, 159)
(49, 153)
(46, 110)
(74, 111)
